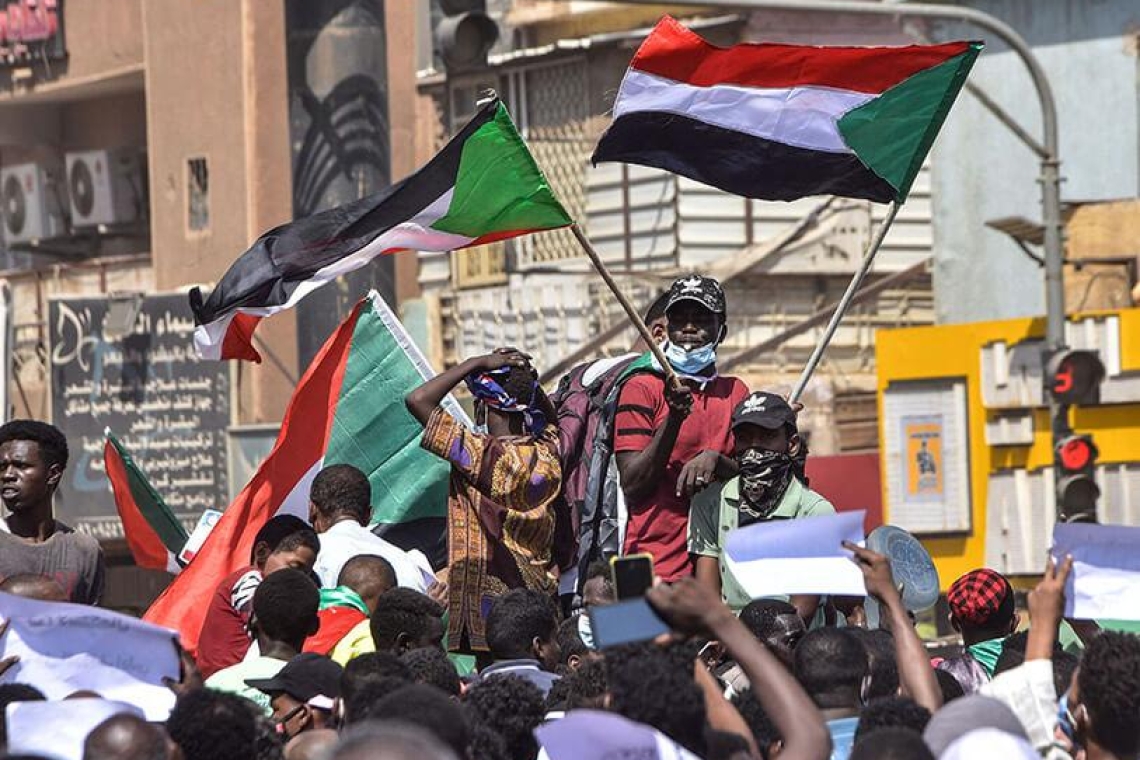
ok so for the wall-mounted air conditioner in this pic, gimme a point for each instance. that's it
(106, 187)
(30, 197)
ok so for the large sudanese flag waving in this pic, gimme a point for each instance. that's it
(482, 187)
(348, 408)
(781, 122)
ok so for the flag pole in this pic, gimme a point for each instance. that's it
(630, 311)
(845, 302)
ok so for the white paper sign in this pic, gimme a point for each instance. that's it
(597, 735)
(64, 648)
(1105, 582)
(802, 556)
(57, 730)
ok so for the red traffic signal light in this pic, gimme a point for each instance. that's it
(1074, 377)
(1076, 452)
(1077, 491)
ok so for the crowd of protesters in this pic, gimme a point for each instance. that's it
(334, 643)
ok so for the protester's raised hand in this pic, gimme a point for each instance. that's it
(679, 398)
(189, 677)
(688, 607)
(503, 357)
(1046, 606)
(1047, 600)
(876, 573)
(7, 662)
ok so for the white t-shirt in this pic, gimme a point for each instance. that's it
(348, 539)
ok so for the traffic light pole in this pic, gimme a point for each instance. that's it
(1047, 150)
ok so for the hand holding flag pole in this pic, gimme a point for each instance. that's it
(630, 311)
(734, 118)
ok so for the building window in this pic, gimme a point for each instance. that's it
(197, 194)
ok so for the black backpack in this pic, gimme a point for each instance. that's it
(587, 524)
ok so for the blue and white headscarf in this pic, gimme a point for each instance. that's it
(486, 387)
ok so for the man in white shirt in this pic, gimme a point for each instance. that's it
(340, 505)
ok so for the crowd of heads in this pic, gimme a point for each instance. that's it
(407, 698)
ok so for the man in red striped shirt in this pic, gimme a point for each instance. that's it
(673, 442)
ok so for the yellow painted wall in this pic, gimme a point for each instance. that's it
(954, 351)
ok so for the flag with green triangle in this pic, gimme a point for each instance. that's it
(347, 409)
(482, 187)
(153, 533)
(780, 122)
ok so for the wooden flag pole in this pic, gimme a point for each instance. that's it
(630, 311)
(845, 302)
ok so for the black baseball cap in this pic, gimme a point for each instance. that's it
(704, 290)
(310, 678)
(764, 409)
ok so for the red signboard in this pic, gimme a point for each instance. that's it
(30, 30)
(850, 482)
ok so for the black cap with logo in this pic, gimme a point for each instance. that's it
(305, 678)
(764, 409)
(703, 290)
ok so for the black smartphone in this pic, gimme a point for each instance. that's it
(625, 623)
(632, 575)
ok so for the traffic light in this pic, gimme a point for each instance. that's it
(465, 34)
(1074, 377)
(1075, 459)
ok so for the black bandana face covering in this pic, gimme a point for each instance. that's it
(764, 477)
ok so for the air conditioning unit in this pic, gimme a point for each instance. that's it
(30, 196)
(106, 187)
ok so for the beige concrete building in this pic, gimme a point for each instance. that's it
(207, 98)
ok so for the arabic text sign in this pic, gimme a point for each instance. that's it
(168, 409)
(29, 29)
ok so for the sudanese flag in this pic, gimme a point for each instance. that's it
(153, 533)
(781, 122)
(482, 187)
(348, 408)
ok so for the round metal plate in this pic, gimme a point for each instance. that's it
(911, 566)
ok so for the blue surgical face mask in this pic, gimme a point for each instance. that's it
(690, 362)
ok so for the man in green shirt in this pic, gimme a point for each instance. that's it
(284, 615)
(766, 488)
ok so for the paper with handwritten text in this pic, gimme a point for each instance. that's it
(65, 648)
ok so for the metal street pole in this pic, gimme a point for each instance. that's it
(1050, 160)
(844, 302)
